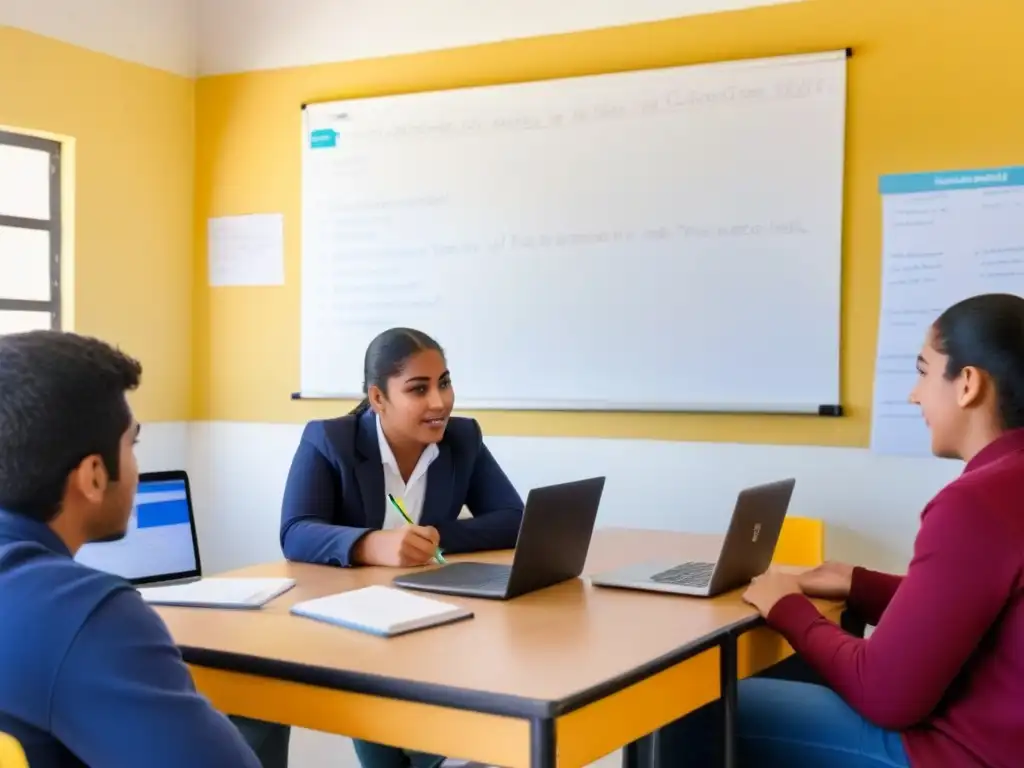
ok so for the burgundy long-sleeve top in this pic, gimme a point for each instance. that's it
(945, 664)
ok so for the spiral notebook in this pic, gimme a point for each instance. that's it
(381, 611)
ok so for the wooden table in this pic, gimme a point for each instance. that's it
(560, 677)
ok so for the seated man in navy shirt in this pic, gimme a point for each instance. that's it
(89, 675)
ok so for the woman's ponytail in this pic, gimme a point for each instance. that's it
(385, 358)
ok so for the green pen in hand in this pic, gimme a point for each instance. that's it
(438, 557)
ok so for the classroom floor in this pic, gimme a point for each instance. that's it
(312, 749)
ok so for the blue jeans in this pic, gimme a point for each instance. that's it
(784, 724)
(372, 755)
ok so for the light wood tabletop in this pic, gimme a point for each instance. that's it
(548, 647)
(589, 668)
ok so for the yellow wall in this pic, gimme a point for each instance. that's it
(133, 133)
(932, 85)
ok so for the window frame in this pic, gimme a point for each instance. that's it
(51, 225)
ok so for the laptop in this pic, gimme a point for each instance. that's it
(161, 545)
(747, 550)
(554, 538)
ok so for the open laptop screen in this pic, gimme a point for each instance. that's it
(161, 543)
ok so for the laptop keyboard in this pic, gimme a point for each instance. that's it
(695, 575)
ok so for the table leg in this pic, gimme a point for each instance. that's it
(729, 680)
(642, 753)
(655, 750)
(631, 754)
(542, 743)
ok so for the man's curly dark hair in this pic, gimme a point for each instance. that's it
(62, 399)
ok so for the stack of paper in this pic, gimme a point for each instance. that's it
(218, 593)
(381, 611)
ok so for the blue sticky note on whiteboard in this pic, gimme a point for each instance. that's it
(323, 138)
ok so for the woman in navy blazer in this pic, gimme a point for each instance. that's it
(403, 440)
(335, 502)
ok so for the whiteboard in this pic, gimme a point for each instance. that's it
(657, 240)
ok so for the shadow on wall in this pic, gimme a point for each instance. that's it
(871, 548)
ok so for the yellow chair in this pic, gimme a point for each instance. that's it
(11, 753)
(801, 543)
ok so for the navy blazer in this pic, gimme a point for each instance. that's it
(335, 492)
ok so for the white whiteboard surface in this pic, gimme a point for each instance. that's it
(656, 240)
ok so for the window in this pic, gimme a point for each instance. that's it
(30, 217)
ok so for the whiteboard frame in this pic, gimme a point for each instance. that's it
(591, 406)
(829, 54)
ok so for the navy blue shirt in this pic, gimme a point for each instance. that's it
(89, 674)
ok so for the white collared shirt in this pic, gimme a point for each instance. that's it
(411, 494)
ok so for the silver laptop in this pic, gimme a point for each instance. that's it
(554, 538)
(747, 550)
(161, 546)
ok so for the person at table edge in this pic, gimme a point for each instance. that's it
(89, 674)
(940, 682)
(400, 440)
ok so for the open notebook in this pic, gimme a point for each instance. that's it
(381, 611)
(218, 593)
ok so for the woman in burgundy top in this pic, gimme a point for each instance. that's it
(940, 682)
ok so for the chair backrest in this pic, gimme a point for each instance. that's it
(801, 542)
(11, 753)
